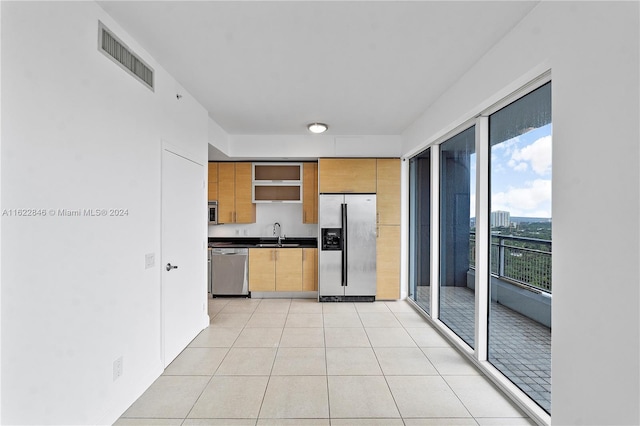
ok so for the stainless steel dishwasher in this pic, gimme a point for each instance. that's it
(209, 270)
(229, 272)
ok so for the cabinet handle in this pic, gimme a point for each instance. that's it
(377, 217)
(377, 232)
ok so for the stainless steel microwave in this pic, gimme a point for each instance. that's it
(213, 212)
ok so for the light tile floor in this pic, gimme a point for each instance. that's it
(299, 362)
(518, 346)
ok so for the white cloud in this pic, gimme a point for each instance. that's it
(538, 154)
(519, 167)
(533, 200)
(508, 146)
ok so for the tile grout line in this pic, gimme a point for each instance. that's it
(324, 330)
(380, 366)
(273, 363)
(389, 387)
(217, 368)
(326, 365)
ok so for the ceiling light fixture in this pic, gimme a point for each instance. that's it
(317, 127)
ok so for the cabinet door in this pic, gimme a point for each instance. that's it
(262, 267)
(344, 175)
(226, 192)
(289, 269)
(388, 262)
(245, 209)
(310, 193)
(388, 198)
(213, 182)
(309, 269)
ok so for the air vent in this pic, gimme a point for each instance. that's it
(118, 52)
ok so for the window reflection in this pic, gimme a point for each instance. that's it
(520, 253)
(420, 229)
(457, 214)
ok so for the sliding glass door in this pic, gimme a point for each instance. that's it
(498, 302)
(420, 229)
(520, 253)
(457, 217)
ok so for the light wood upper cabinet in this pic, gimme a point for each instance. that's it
(346, 175)
(262, 269)
(288, 269)
(309, 269)
(234, 193)
(213, 182)
(226, 192)
(388, 191)
(388, 262)
(277, 182)
(388, 218)
(310, 193)
(245, 209)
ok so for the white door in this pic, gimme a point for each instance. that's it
(183, 253)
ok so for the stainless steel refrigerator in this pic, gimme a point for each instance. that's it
(347, 255)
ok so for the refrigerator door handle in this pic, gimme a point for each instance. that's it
(344, 245)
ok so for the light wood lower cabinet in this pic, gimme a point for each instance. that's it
(309, 269)
(388, 262)
(262, 269)
(276, 269)
(288, 269)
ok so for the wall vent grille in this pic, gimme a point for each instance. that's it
(118, 52)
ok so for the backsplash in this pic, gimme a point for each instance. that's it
(288, 215)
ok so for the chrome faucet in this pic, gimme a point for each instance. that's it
(279, 235)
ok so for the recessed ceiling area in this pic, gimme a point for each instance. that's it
(270, 68)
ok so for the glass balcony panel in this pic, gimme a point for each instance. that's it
(520, 252)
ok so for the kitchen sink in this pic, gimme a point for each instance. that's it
(276, 245)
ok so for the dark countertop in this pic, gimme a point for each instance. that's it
(255, 242)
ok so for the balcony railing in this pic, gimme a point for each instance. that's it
(526, 261)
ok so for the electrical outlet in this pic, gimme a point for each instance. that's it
(149, 260)
(117, 368)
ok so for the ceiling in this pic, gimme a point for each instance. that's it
(363, 67)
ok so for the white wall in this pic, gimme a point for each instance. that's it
(288, 215)
(592, 49)
(218, 137)
(79, 132)
(314, 146)
(1, 221)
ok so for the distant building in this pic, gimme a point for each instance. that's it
(500, 219)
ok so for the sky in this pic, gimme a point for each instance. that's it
(521, 175)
